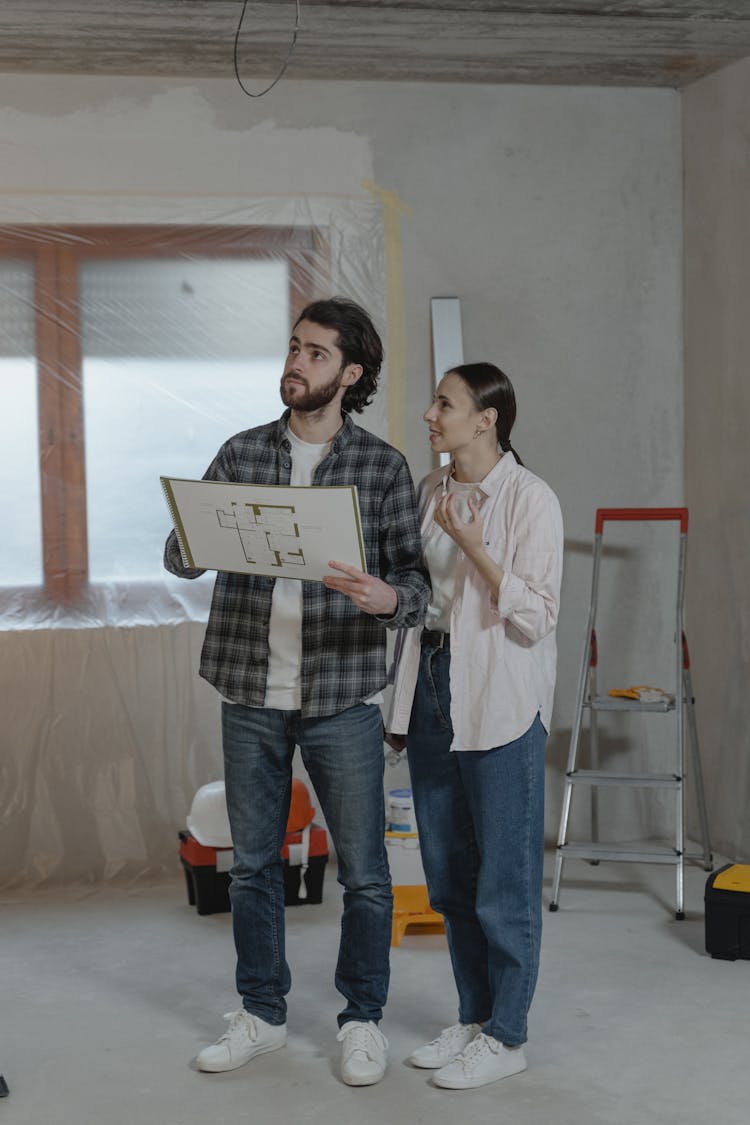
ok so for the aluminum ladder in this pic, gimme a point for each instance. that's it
(588, 700)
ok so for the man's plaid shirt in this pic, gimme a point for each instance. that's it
(343, 649)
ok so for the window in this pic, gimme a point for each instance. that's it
(128, 352)
(21, 551)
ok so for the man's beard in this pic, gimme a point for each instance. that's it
(308, 401)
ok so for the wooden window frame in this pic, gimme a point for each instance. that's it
(56, 253)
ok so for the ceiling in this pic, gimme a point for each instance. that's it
(578, 42)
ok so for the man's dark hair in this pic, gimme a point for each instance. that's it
(358, 341)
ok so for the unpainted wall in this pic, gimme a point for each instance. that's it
(717, 451)
(553, 213)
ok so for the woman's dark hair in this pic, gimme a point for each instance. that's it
(491, 387)
(358, 341)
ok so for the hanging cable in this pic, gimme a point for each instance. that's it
(244, 88)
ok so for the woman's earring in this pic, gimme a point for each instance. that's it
(478, 431)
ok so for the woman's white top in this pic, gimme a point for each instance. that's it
(503, 646)
(440, 554)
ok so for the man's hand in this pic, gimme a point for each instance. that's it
(368, 593)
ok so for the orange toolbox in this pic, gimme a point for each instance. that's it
(207, 870)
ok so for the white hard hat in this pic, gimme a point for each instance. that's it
(208, 819)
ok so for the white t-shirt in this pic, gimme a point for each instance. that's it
(283, 684)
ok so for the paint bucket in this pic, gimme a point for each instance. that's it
(401, 811)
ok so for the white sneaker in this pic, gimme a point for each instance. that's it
(246, 1036)
(363, 1048)
(446, 1047)
(485, 1060)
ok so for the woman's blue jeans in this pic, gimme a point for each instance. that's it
(343, 755)
(480, 816)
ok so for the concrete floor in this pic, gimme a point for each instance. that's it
(107, 993)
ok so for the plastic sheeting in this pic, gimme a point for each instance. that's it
(127, 352)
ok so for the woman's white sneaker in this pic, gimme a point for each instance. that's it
(246, 1036)
(363, 1048)
(446, 1047)
(485, 1060)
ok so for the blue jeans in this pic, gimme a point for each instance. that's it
(480, 816)
(343, 755)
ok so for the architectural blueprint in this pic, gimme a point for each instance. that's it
(283, 531)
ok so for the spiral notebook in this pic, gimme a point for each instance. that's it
(285, 531)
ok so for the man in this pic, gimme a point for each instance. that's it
(303, 663)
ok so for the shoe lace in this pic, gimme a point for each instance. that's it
(449, 1035)
(361, 1037)
(477, 1050)
(240, 1021)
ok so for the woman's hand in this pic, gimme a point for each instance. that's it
(468, 536)
(368, 593)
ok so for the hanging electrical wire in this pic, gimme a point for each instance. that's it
(244, 88)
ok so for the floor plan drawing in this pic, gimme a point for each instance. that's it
(282, 531)
(269, 533)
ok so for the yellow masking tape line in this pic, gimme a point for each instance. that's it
(393, 209)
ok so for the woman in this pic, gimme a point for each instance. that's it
(473, 694)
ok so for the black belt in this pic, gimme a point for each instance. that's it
(433, 638)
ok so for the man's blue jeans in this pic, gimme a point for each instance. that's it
(343, 755)
(480, 816)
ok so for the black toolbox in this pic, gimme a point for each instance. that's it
(207, 871)
(727, 901)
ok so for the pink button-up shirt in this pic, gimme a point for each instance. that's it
(503, 648)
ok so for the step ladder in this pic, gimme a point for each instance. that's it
(587, 700)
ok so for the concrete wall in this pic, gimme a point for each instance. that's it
(717, 450)
(553, 213)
